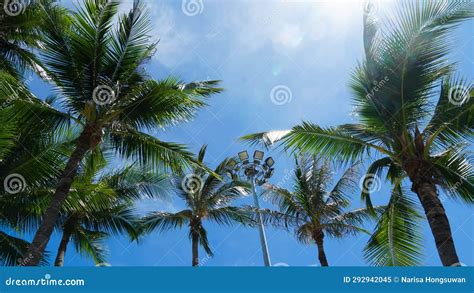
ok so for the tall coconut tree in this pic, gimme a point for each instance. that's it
(415, 116)
(101, 205)
(19, 215)
(316, 208)
(29, 160)
(207, 198)
(94, 58)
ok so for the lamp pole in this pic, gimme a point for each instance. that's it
(261, 228)
(257, 173)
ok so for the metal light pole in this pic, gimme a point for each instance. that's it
(257, 174)
(261, 229)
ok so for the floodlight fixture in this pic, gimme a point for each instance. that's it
(243, 156)
(269, 162)
(258, 156)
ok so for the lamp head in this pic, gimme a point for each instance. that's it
(244, 157)
(269, 162)
(258, 156)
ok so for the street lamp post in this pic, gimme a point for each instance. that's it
(257, 173)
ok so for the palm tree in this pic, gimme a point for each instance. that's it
(101, 205)
(21, 25)
(20, 32)
(19, 214)
(207, 198)
(315, 210)
(105, 93)
(394, 90)
(29, 160)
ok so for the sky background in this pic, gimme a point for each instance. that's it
(307, 47)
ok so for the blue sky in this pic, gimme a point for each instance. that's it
(310, 47)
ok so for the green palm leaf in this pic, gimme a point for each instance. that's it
(13, 250)
(90, 243)
(397, 238)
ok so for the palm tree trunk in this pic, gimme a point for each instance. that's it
(59, 262)
(43, 234)
(438, 221)
(319, 239)
(195, 245)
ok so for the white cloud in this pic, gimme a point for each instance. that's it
(175, 40)
(250, 25)
(290, 35)
(288, 25)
